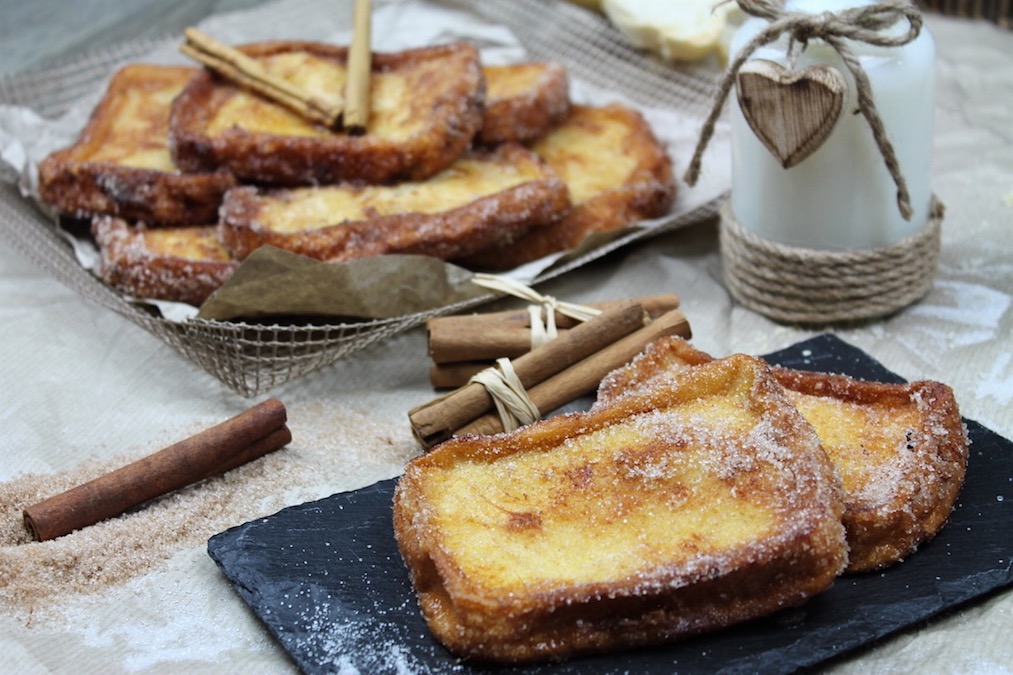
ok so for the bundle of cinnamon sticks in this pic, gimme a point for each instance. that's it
(553, 374)
(462, 345)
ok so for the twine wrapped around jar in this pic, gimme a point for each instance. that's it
(807, 286)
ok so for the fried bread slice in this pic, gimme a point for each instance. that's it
(485, 198)
(120, 164)
(425, 108)
(523, 101)
(658, 361)
(676, 511)
(617, 173)
(183, 264)
(901, 449)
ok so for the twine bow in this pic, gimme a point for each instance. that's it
(861, 24)
(541, 332)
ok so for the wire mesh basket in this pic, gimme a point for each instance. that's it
(252, 358)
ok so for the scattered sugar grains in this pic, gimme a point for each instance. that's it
(35, 577)
(377, 645)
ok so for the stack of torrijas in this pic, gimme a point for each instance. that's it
(184, 172)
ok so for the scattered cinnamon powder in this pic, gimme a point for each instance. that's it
(36, 576)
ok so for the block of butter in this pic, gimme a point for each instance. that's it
(686, 30)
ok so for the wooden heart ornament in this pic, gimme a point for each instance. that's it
(791, 111)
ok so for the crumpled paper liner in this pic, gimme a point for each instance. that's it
(272, 282)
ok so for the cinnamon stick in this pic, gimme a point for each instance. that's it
(454, 375)
(478, 341)
(245, 71)
(492, 335)
(240, 439)
(584, 377)
(437, 420)
(360, 67)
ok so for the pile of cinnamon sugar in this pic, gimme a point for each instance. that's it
(36, 576)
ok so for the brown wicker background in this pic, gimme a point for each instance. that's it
(998, 11)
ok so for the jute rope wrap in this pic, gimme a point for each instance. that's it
(807, 286)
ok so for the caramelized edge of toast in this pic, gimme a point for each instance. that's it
(81, 187)
(290, 161)
(485, 221)
(525, 117)
(647, 192)
(129, 265)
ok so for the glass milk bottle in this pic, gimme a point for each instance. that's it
(842, 197)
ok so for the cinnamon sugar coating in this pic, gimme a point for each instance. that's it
(485, 198)
(425, 108)
(901, 449)
(616, 171)
(523, 102)
(183, 264)
(120, 164)
(655, 516)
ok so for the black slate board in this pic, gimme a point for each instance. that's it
(326, 578)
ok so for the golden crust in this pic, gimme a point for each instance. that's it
(485, 198)
(617, 173)
(901, 449)
(183, 264)
(121, 165)
(707, 503)
(523, 101)
(661, 359)
(426, 106)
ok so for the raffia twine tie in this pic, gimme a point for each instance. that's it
(541, 330)
(861, 24)
(514, 406)
(512, 402)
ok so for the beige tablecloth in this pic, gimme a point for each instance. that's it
(78, 383)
